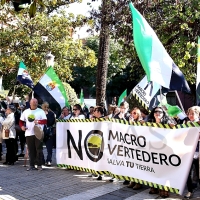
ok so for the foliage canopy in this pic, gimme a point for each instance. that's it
(29, 39)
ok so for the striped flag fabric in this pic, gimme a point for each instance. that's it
(50, 89)
(198, 74)
(122, 97)
(149, 99)
(173, 111)
(1, 79)
(23, 76)
(158, 65)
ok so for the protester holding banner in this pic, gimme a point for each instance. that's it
(158, 115)
(193, 115)
(31, 117)
(49, 131)
(135, 116)
(123, 114)
(77, 112)
(98, 113)
(9, 134)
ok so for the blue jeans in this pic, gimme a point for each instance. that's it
(49, 145)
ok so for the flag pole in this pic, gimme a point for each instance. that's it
(197, 83)
(32, 94)
(198, 74)
(160, 95)
(179, 101)
(13, 94)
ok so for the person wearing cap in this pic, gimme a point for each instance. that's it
(9, 124)
(29, 118)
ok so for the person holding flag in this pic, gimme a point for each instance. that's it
(159, 115)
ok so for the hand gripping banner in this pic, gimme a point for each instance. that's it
(152, 154)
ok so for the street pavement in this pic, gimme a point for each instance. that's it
(63, 184)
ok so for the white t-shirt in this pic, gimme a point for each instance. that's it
(79, 117)
(29, 116)
(67, 117)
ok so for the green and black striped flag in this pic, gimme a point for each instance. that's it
(158, 65)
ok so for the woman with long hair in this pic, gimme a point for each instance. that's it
(77, 112)
(158, 115)
(135, 116)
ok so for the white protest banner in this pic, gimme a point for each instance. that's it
(148, 94)
(148, 153)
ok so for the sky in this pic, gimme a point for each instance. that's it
(83, 8)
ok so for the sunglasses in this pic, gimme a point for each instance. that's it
(134, 113)
(75, 109)
(158, 111)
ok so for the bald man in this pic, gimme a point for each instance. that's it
(29, 118)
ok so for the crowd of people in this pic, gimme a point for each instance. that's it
(18, 126)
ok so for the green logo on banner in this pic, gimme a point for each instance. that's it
(94, 145)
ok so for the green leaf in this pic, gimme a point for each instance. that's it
(40, 2)
(3, 2)
(54, 2)
(32, 9)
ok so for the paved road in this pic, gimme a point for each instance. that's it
(63, 184)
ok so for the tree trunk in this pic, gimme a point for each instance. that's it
(102, 66)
